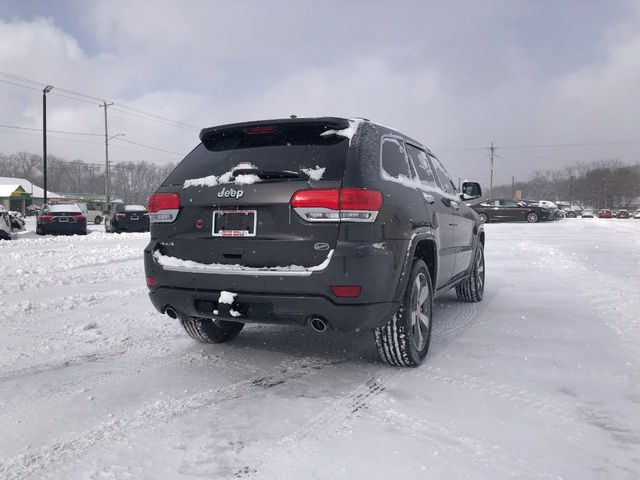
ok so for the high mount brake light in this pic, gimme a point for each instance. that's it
(337, 204)
(260, 129)
(163, 207)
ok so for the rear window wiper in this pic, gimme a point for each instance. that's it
(266, 174)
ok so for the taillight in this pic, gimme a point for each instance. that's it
(120, 216)
(163, 207)
(80, 218)
(152, 281)
(45, 218)
(337, 204)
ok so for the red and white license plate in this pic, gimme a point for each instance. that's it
(234, 223)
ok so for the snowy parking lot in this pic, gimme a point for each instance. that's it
(541, 380)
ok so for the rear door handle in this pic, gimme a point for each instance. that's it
(428, 198)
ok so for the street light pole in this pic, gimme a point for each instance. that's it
(46, 90)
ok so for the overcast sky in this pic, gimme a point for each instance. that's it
(455, 75)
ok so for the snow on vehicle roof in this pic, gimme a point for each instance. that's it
(63, 207)
(135, 208)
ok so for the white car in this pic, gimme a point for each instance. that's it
(93, 214)
(587, 213)
(636, 214)
(5, 224)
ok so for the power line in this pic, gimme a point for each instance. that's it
(161, 122)
(94, 143)
(91, 100)
(149, 146)
(52, 131)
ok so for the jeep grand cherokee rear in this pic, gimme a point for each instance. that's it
(296, 221)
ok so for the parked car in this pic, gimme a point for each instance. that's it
(505, 210)
(127, 218)
(17, 221)
(92, 212)
(325, 222)
(605, 213)
(587, 213)
(61, 219)
(623, 214)
(571, 213)
(5, 224)
(636, 215)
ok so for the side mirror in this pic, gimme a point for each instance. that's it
(471, 190)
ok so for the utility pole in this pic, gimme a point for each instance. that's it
(107, 169)
(513, 187)
(570, 191)
(492, 149)
(46, 90)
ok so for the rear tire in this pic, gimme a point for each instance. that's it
(98, 220)
(472, 289)
(532, 217)
(206, 330)
(404, 341)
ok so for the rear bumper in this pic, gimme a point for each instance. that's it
(290, 297)
(275, 309)
(64, 229)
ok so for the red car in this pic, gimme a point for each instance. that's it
(623, 214)
(605, 214)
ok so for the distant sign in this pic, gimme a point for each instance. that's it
(518, 195)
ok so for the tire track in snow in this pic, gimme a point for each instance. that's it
(46, 456)
(67, 303)
(601, 289)
(463, 314)
(330, 421)
(92, 380)
(461, 445)
(580, 416)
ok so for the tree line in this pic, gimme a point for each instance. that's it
(132, 181)
(601, 184)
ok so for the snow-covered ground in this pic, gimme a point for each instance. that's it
(539, 381)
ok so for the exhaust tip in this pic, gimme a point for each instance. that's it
(171, 312)
(318, 324)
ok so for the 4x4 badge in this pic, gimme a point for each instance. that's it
(321, 246)
(231, 192)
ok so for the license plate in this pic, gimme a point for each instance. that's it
(134, 217)
(63, 220)
(234, 223)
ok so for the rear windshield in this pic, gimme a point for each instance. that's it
(291, 148)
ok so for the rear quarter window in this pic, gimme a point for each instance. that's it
(394, 161)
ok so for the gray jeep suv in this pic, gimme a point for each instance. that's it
(328, 222)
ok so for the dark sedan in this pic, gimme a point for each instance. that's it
(504, 210)
(65, 219)
(127, 218)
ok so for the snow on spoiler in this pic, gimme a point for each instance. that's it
(178, 265)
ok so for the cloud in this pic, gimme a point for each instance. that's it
(449, 75)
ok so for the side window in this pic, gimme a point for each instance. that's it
(422, 166)
(509, 203)
(445, 182)
(394, 161)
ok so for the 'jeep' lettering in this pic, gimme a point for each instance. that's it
(230, 192)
